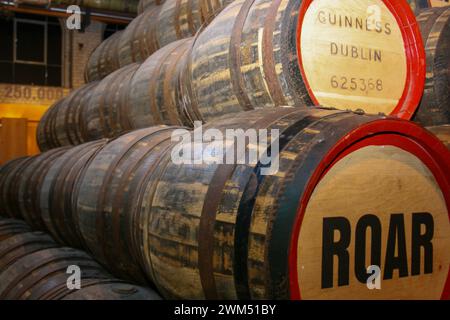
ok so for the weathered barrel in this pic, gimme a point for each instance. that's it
(33, 266)
(442, 132)
(105, 115)
(10, 174)
(154, 96)
(104, 59)
(434, 108)
(11, 227)
(229, 231)
(262, 53)
(106, 204)
(30, 184)
(64, 123)
(59, 189)
(21, 245)
(139, 39)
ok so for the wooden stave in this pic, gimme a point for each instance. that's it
(154, 87)
(102, 111)
(56, 193)
(435, 28)
(50, 266)
(102, 185)
(22, 244)
(10, 227)
(30, 183)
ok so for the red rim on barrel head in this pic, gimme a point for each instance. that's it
(401, 147)
(366, 56)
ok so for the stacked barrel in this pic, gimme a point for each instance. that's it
(34, 267)
(262, 54)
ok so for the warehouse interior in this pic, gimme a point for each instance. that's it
(352, 101)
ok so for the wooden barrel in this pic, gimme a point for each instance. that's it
(9, 186)
(434, 107)
(104, 115)
(154, 96)
(442, 132)
(64, 123)
(226, 231)
(104, 59)
(21, 245)
(11, 227)
(139, 39)
(262, 53)
(59, 189)
(106, 204)
(30, 184)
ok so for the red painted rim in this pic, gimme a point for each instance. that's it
(403, 134)
(414, 50)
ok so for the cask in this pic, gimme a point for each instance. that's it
(442, 132)
(261, 53)
(11, 227)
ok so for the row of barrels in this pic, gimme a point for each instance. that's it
(203, 220)
(34, 267)
(247, 59)
(155, 27)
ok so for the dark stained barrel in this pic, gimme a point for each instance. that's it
(442, 132)
(22, 244)
(419, 5)
(59, 189)
(11, 227)
(64, 123)
(434, 108)
(154, 96)
(108, 198)
(104, 114)
(30, 184)
(10, 175)
(227, 231)
(104, 59)
(266, 53)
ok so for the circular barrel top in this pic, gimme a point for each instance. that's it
(393, 178)
(361, 55)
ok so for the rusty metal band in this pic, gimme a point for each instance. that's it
(268, 60)
(172, 109)
(213, 198)
(237, 79)
(153, 84)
